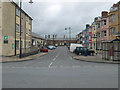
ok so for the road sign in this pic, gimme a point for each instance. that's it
(5, 37)
(13, 46)
(5, 41)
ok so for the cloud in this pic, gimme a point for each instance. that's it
(52, 18)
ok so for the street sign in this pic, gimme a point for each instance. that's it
(5, 37)
(5, 41)
(13, 46)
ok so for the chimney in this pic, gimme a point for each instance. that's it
(87, 25)
(96, 18)
(115, 5)
(104, 14)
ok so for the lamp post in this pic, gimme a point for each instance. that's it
(20, 56)
(69, 28)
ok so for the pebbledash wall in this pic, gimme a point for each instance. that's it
(11, 29)
(0, 47)
(0, 30)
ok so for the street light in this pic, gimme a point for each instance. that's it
(69, 34)
(30, 1)
(20, 56)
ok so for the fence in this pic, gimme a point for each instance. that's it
(111, 50)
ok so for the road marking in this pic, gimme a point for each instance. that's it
(53, 67)
(56, 56)
(76, 66)
(50, 64)
(24, 67)
(54, 59)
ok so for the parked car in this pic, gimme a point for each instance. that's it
(51, 47)
(91, 52)
(81, 51)
(84, 51)
(73, 46)
(43, 49)
(56, 45)
(78, 50)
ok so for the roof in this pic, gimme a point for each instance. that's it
(22, 10)
(36, 35)
(61, 39)
(111, 41)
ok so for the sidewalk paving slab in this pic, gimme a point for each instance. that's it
(17, 59)
(95, 59)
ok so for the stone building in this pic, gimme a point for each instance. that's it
(10, 29)
(37, 40)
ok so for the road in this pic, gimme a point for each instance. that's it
(58, 69)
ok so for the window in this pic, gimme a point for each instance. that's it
(112, 18)
(98, 25)
(17, 12)
(17, 44)
(98, 35)
(104, 22)
(113, 31)
(48, 36)
(29, 21)
(17, 27)
(29, 32)
(104, 33)
(29, 44)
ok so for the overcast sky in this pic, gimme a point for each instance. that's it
(53, 17)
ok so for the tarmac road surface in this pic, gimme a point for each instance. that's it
(58, 69)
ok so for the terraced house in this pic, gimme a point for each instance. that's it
(10, 29)
(94, 36)
(114, 23)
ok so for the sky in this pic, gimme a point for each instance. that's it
(53, 17)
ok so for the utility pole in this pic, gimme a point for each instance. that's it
(69, 34)
(20, 55)
(53, 39)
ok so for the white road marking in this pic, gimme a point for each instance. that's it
(24, 67)
(50, 64)
(53, 67)
(76, 66)
(54, 59)
(56, 56)
(12, 67)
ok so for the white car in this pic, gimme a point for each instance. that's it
(73, 46)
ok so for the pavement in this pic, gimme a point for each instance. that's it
(96, 59)
(17, 59)
(58, 69)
